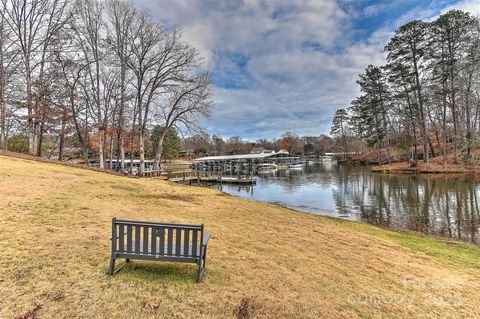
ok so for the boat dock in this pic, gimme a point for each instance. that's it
(229, 180)
(244, 161)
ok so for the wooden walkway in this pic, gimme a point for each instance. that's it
(229, 180)
(192, 177)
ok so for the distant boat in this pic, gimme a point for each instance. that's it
(297, 164)
(267, 167)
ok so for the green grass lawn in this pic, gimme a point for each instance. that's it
(55, 225)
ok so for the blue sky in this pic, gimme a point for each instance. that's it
(286, 65)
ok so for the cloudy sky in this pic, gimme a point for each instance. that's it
(287, 65)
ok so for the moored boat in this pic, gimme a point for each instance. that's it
(267, 166)
(297, 164)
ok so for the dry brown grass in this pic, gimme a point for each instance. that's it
(54, 236)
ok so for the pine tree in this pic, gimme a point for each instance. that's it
(372, 108)
(171, 142)
(339, 128)
(450, 38)
(406, 50)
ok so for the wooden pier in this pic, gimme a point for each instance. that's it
(229, 180)
(190, 177)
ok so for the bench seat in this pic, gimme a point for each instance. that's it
(165, 250)
(159, 242)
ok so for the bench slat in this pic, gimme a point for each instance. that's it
(170, 241)
(178, 241)
(129, 239)
(137, 239)
(145, 239)
(121, 238)
(194, 243)
(186, 242)
(161, 234)
(153, 242)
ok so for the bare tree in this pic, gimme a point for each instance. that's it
(156, 58)
(120, 22)
(88, 27)
(4, 48)
(183, 104)
(34, 24)
(88, 69)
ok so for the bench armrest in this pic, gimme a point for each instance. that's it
(206, 238)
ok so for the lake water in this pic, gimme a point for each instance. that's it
(440, 205)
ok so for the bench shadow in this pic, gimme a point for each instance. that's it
(161, 272)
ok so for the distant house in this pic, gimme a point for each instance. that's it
(187, 152)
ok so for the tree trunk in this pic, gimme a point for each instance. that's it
(41, 128)
(420, 104)
(159, 149)
(468, 115)
(142, 153)
(385, 129)
(3, 140)
(453, 106)
(101, 156)
(110, 166)
(62, 134)
(141, 139)
(121, 120)
(444, 123)
(30, 121)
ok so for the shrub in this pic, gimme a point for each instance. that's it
(18, 143)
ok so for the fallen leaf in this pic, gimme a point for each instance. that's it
(151, 304)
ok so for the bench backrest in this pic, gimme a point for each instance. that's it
(156, 239)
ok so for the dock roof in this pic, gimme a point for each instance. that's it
(240, 157)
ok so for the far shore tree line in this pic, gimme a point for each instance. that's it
(206, 145)
(101, 76)
(200, 144)
(425, 101)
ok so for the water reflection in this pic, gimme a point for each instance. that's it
(438, 205)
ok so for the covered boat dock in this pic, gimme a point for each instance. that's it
(243, 160)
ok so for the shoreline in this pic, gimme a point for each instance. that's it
(431, 168)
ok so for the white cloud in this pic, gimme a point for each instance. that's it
(300, 61)
(472, 6)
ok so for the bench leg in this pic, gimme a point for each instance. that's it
(111, 271)
(205, 258)
(202, 265)
(199, 270)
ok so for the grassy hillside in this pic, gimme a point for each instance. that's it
(55, 225)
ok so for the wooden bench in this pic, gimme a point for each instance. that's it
(158, 241)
